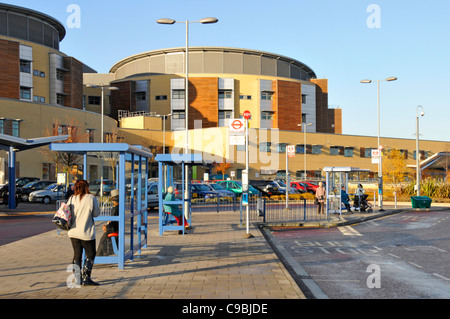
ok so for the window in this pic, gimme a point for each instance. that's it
(225, 115)
(178, 94)
(161, 97)
(301, 149)
(266, 116)
(141, 96)
(39, 73)
(348, 152)
(317, 149)
(245, 97)
(39, 99)
(91, 135)
(225, 94)
(10, 127)
(266, 95)
(303, 98)
(178, 115)
(25, 93)
(281, 147)
(94, 100)
(59, 99)
(25, 66)
(60, 74)
(336, 150)
(265, 147)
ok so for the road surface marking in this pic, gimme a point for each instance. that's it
(440, 276)
(416, 265)
(349, 231)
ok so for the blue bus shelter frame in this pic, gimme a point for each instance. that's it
(127, 153)
(13, 144)
(166, 164)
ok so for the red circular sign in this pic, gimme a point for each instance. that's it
(247, 115)
(237, 124)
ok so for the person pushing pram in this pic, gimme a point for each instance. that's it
(360, 201)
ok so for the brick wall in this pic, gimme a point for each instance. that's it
(204, 101)
(9, 69)
(289, 101)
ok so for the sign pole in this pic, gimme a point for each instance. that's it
(245, 186)
(287, 178)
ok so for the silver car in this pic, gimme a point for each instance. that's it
(51, 193)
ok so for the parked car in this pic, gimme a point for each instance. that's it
(51, 193)
(301, 187)
(267, 188)
(108, 186)
(282, 187)
(221, 190)
(22, 181)
(312, 186)
(31, 187)
(153, 195)
(236, 187)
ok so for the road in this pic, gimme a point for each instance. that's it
(27, 220)
(399, 256)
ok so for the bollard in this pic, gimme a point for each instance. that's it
(395, 199)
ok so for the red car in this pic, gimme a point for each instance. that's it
(301, 188)
(311, 186)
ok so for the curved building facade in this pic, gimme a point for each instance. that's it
(280, 92)
(41, 89)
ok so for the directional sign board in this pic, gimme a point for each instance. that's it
(375, 156)
(291, 150)
(237, 126)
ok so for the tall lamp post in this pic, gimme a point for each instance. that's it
(110, 88)
(304, 143)
(417, 149)
(186, 151)
(380, 167)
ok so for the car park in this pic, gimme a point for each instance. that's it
(236, 187)
(282, 187)
(53, 192)
(220, 190)
(108, 186)
(301, 187)
(153, 195)
(267, 188)
(31, 187)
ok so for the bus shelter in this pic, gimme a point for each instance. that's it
(131, 170)
(336, 177)
(167, 163)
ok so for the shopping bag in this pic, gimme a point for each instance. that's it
(63, 217)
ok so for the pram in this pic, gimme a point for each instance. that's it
(360, 203)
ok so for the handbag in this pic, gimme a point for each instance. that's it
(63, 216)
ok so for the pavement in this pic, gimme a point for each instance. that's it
(215, 260)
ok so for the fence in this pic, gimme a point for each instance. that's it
(261, 209)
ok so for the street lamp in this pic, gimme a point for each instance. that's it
(304, 145)
(164, 117)
(380, 169)
(417, 149)
(110, 88)
(187, 22)
(103, 87)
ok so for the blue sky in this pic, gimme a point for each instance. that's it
(332, 37)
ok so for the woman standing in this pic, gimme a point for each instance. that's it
(320, 195)
(82, 232)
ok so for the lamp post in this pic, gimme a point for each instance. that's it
(304, 143)
(417, 149)
(110, 88)
(380, 167)
(187, 22)
(164, 117)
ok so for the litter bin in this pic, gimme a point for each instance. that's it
(421, 202)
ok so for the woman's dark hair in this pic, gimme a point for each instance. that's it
(81, 188)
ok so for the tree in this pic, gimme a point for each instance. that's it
(394, 168)
(66, 162)
(222, 168)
